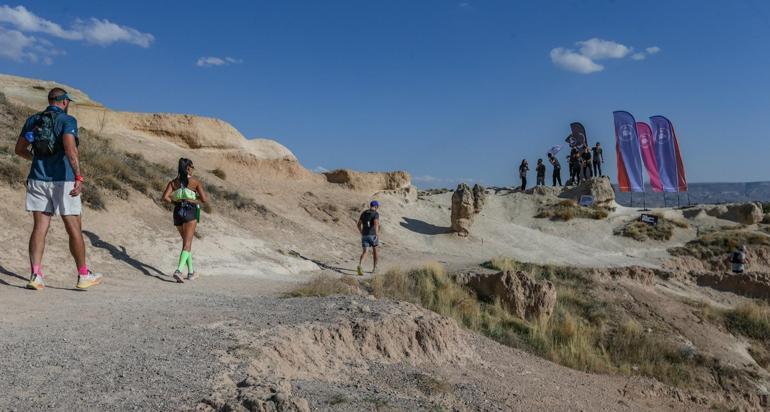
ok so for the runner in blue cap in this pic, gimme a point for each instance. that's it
(369, 227)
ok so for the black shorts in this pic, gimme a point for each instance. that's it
(184, 212)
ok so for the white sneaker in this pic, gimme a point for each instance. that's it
(178, 276)
(36, 282)
(91, 279)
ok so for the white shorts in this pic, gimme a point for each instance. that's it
(52, 198)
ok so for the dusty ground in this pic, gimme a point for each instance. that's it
(144, 344)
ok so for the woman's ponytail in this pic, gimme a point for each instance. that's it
(183, 176)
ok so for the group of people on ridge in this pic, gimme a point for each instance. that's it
(49, 140)
(583, 164)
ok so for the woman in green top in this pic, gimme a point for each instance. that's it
(186, 193)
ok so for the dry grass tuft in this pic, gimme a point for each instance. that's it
(219, 173)
(580, 334)
(13, 172)
(750, 319)
(325, 285)
(116, 171)
(719, 242)
(566, 210)
(430, 287)
(640, 231)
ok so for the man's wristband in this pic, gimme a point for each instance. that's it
(79, 178)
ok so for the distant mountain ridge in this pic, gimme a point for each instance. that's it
(700, 193)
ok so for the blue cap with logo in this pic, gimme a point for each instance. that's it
(374, 203)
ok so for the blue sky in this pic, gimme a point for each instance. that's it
(447, 90)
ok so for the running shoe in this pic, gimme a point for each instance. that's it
(178, 276)
(36, 282)
(360, 271)
(192, 275)
(91, 279)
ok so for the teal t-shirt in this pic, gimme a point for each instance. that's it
(54, 168)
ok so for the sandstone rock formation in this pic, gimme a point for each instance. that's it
(369, 181)
(744, 213)
(463, 209)
(544, 191)
(599, 187)
(518, 292)
(479, 197)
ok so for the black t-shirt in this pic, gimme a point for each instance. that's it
(554, 162)
(586, 156)
(541, 170)
(367, 222)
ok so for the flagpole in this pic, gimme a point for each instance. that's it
(677, 200)
(664, 200)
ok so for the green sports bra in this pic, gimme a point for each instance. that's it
(184, 193)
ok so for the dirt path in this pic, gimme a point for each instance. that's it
(139, 343)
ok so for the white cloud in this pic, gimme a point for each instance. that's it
(598, 49)
(217, 61)
(26, 21)
(105, 32)
(17, 45)
(584, 60)
(572, 61)
(653, 50)
(320, 169)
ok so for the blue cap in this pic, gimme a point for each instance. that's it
(62, 98)
(374, 203)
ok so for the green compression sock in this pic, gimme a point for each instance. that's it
(183, 257)
(189, 263)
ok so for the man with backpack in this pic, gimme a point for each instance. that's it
(369, 227)
(739, 260)
(49, 140)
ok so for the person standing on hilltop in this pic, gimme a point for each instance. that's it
(369, 227)
(523, 169)
(574, 167)
(598, 155)
(50, 140)
(556, 169)
(586, 162)
(540, 169)
(186, 192)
